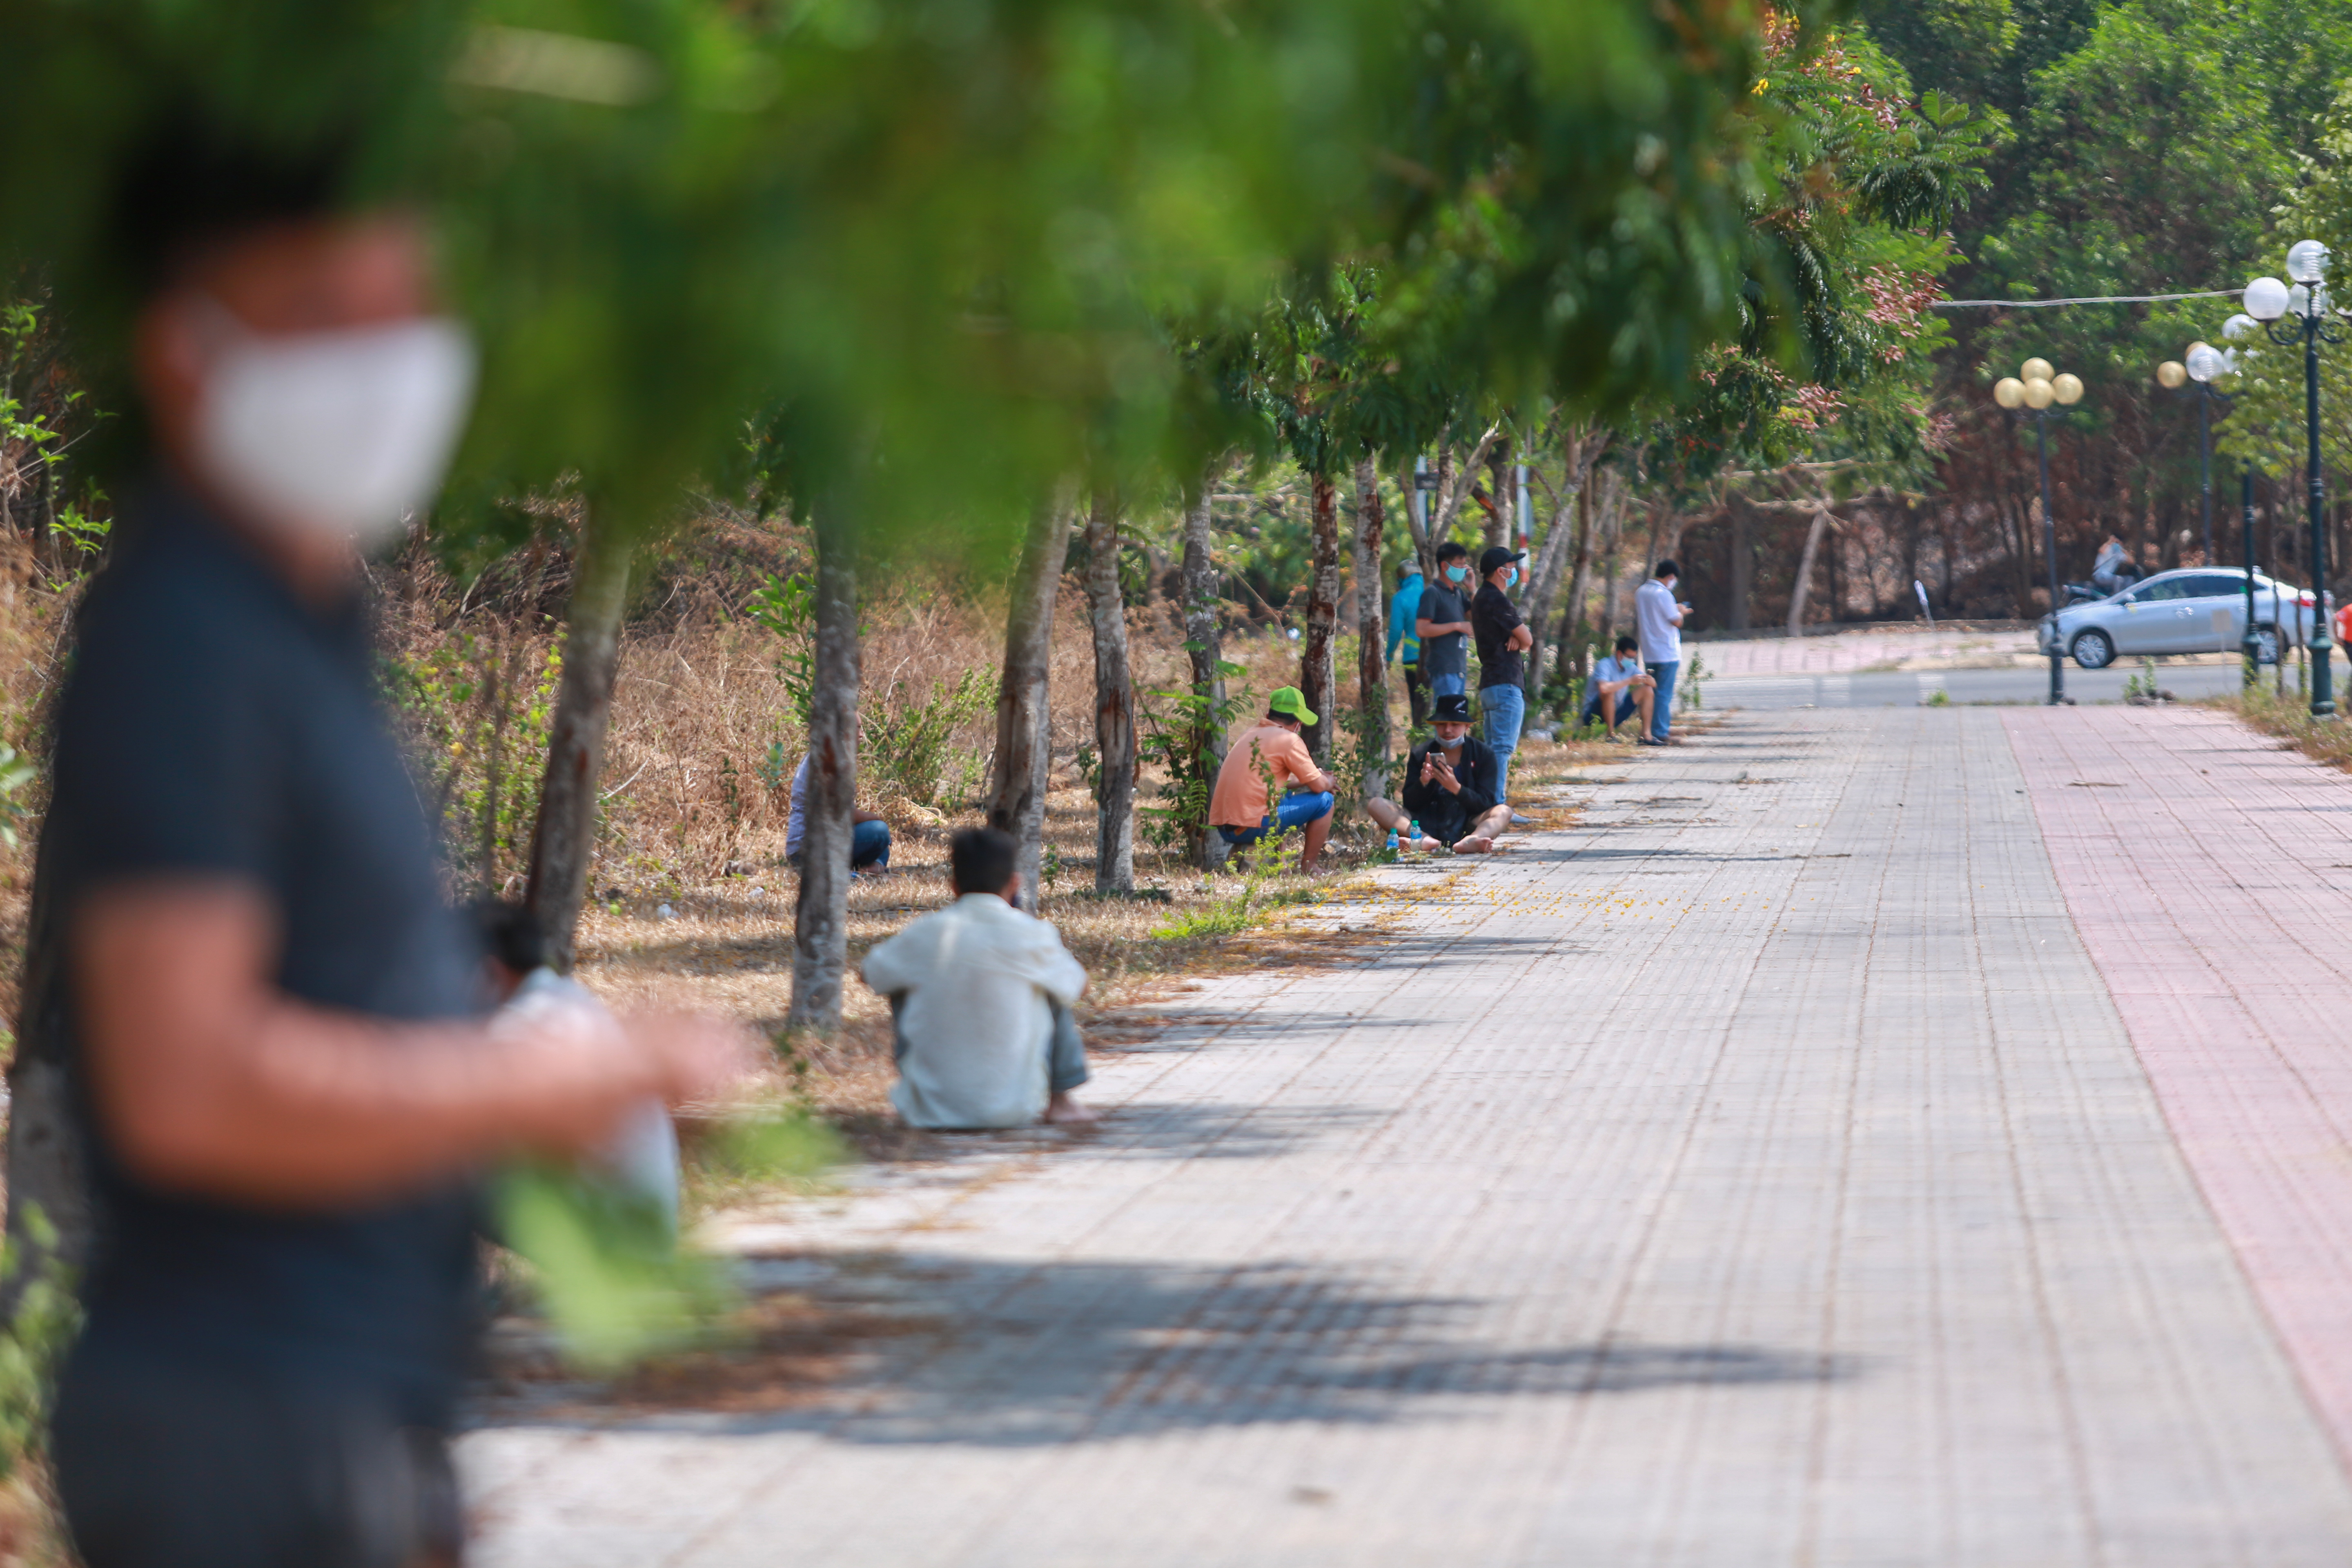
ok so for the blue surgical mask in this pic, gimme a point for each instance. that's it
(1457, 573)
(1512, 580)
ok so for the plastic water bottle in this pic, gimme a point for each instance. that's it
(1393, 841)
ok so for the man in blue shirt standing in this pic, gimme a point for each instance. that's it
(1403, 608)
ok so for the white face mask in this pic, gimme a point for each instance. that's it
(345, 432)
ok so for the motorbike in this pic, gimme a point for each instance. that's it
(2092, 594)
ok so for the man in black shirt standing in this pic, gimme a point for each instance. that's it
(270, 1015)
(1503, 641)
(1443, 622)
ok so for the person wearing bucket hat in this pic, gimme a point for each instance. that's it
(1242, 808)
(1503, 641)
(1449, 787)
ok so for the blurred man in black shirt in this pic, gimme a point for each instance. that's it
(270, 1014)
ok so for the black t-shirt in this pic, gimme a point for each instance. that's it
(1494, 617)
(214, 726)
(1442, 813)
(1449, 652)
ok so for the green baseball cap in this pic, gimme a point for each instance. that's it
(1291, 701)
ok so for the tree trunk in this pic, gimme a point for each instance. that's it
(1498, 491)
(1204, 644)
(1025, 737)
(1371, 629)
(1612, 528)
(1317, 679)
(48, 1172)
(1910, 516)
(1543, 586)
(1410, 487)
(1743, 560)
(563, 839)
(1114, 704)
(1805, 573)
(1452, 487)
(821, 910)
(1570, 664)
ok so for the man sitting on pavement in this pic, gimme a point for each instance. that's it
(870, 838)
(1449, 788)
(980, 1002)
(1619, 689)
(1240, 809)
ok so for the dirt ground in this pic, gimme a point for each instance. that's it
(725, 945)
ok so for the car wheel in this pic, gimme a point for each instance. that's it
(2094, 649)
(2266, 644)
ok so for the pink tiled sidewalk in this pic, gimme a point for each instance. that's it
(2208, 872)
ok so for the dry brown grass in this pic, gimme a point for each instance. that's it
(2288, 716)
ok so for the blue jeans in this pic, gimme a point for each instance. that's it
(1295, 811)
(1662, 701)
(869, 844)
(1501, 710)
(1448, 685)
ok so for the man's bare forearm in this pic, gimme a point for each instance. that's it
(208, 1078)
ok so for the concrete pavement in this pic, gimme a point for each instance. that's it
(1759, 1171)
(2023, 687)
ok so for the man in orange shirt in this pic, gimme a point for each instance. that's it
(1270, 751)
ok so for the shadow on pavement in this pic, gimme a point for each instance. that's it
(913, 1348)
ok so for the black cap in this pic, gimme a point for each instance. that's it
(1452, 707)
(1497, 558)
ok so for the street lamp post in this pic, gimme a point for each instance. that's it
(2251, 643)
(2034, 390)
(2197, 369)
(2268, 299)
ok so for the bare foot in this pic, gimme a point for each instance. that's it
(1476, 844)
(1063, 1109)
(1430, 845)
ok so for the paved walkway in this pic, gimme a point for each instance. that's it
(1759, 1173)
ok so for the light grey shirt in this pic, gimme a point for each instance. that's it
(980, 978)
(796, 825)
(1654, 621)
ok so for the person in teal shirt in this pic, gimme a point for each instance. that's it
(1403, 610)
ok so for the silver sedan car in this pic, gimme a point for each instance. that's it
(2198, 609)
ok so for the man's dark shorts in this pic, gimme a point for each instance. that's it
(164, 1463)
(1626, 709)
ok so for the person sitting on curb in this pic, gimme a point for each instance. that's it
(869, 839)
(1449, 787)
(1620, 689)
(642, 1160)
(979, 1003)
(1271, 752)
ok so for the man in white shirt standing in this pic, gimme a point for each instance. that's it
(1658, 620)
(981, 995)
